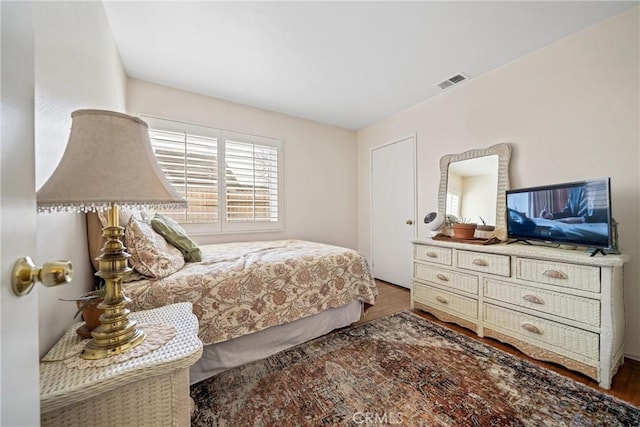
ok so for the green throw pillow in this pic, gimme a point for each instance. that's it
(174, 234)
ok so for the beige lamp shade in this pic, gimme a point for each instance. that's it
(108, 160)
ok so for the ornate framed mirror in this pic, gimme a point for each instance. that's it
(473, 186)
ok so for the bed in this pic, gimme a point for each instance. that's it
(253, 299)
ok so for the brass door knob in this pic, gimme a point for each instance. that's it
(409, 222)
(25, 274)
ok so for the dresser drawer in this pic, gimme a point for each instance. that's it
(583, 277)
(450, 279)
(486, 263)
(432, 254)
(553, 336)
(446, 301)
(580, 309)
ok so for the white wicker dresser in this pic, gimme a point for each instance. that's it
(149, 390)
(557, 305)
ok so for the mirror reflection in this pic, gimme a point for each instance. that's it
(472, 190)
(473, 186)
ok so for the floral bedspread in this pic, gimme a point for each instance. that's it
(240, 288)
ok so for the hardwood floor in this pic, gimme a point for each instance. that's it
(626, 383)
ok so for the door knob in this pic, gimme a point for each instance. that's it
(25, 274)
(409, 222)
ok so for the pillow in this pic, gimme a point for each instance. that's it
(151, 255)
(175, 234)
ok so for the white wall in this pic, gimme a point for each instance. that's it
(571, 111)
(77, 66)
(320, 180)
(475, 202)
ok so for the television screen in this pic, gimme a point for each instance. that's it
(577, 213)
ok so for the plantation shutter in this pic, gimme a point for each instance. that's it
(453, 204)
(232, 181)
(251, 180)
(191, 165)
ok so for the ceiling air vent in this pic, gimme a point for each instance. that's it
(460, 77)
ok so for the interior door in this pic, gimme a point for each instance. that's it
(393, 211)
(18, 315)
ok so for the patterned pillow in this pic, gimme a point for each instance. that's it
(150, 253)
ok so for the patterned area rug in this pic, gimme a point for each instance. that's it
(400, 370)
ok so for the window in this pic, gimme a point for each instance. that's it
(191, 166)
(244, 195)
(453, 203)
(251, 181)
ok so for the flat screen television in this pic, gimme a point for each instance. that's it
(577, 213)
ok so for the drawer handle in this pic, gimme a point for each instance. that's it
(432, 255)
(531, 328)
(441, 299)
(555, 274)
(442, 277)
(532, 298)
(481, 262)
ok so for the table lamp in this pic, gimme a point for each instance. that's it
(109, 163)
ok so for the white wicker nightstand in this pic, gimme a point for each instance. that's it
(149, 390)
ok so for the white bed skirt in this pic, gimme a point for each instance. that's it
(219, 357)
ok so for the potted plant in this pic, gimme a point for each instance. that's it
(463, 228)
(87, 304)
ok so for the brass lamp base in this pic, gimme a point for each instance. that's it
(94, 351)
(111, 339)
(116, 333)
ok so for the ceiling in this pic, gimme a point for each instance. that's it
(347, 64)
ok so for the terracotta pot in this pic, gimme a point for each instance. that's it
(464, 231)
(90, 312)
